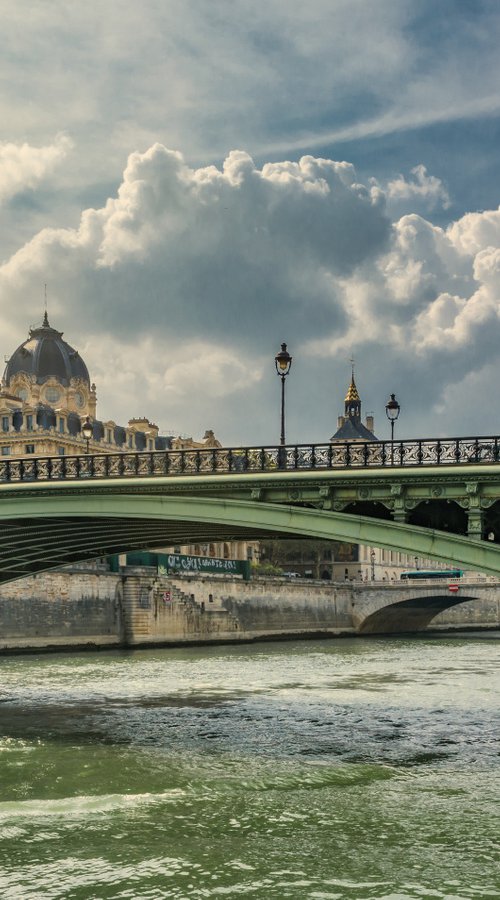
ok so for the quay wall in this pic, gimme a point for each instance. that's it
(85, 608)
(61, 610)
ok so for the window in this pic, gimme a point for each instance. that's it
(61, 426)
(150, 444)
(29, 448)
(52, 394)
(109, 436)
(130, 440)
(5, 451)
(60, 451)
(5, 423)
(29, 423)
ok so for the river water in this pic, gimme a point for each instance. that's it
(330, 769)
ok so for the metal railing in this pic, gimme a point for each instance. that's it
(253, 460)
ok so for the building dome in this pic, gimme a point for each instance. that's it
(45, 355)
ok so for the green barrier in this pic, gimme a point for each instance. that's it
(170, 563)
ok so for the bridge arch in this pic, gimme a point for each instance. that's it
(410, 615)
(46, 529)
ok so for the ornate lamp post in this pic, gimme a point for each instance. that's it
(87, 432)
(283, 361)
(392, 410)
(372, 561)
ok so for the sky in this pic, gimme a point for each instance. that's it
(197, 181)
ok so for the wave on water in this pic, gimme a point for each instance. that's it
(79, 806)
(319, 777)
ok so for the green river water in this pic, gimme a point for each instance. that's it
(330, 769)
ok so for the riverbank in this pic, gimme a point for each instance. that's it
(92, 609)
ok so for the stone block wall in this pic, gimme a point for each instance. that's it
(61, 609)
(78, 608)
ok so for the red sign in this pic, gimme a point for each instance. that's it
(453, 588)
(167, 596)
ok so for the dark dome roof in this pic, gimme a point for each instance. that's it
(45, 355)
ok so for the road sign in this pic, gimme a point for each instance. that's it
(453, 588)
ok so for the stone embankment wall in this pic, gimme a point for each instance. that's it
(61, 609)
(138, 608)
(193, 609)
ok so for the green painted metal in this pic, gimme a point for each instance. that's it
(168, 563)
(195, 513)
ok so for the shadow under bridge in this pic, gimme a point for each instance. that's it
(408, 616)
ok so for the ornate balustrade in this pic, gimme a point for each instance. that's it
(221, 461)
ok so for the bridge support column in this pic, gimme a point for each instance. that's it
(399, 513)
(475, 524)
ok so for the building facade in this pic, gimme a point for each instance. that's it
(46, 397)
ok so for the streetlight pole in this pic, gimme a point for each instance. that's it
(87, 432)
(283, 361)
(392, 410)
(372, 561)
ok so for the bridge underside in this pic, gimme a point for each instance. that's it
(32, 545)
(409, 616)
(52, 528)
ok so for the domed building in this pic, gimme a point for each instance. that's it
(46, 396)
(45, 370)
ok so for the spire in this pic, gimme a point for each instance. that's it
(352, 398)
(45, 316)
(352, 393)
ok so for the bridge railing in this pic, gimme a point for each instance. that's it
(239, 460)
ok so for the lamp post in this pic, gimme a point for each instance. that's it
(87, 432)
(392, 410)
(283, 361)
(372, 561)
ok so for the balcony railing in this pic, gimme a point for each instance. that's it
(252, 460)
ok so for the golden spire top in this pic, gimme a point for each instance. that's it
(352, 393)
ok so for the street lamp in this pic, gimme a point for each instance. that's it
(372, 561)
(392, 410)
(87, 432)
(283, 361)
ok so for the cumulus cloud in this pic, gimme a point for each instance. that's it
(140, 377)
(180, 288)
(214, 249)
(422, 186)
(23, 167)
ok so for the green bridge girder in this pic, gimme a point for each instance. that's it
(48, 524)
